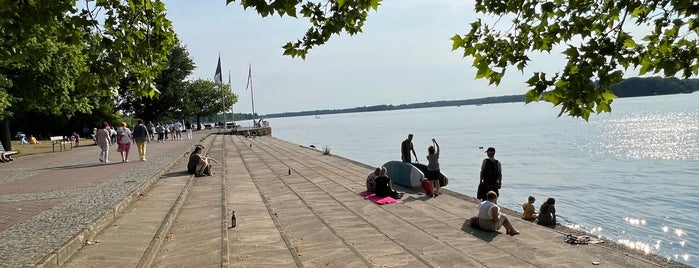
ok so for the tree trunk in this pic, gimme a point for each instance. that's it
(5, 136)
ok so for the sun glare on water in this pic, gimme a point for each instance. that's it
(642, 246)
(634, 221)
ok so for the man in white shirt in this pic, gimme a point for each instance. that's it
(178, 130)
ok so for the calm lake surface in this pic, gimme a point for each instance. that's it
(629, 176)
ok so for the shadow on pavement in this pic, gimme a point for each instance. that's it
(175, 174)
(483, 235)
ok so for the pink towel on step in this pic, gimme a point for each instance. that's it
(378, 200)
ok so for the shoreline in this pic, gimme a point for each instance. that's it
(607, 244)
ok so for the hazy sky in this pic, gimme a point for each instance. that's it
(403, 56)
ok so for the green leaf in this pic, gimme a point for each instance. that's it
(531, 96)
(608, 96)
(457, 42)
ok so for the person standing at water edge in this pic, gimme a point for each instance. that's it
(433, 172)
(405, 148)
(491, 175)
(140, 135)
(103, 141)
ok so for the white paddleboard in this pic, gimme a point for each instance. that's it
(404, 174)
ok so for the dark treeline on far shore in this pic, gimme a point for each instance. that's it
(631, 87)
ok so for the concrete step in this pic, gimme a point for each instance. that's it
(139, 231)
(194, 239)
(296, 207)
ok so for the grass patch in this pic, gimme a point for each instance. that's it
(44, 146)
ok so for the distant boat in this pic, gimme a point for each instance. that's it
(317, 117)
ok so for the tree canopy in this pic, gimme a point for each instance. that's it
(205, 98)
(56, 56)
(598, 38)
(167, 104)
(326, 17)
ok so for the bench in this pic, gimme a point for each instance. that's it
(5, 154)
(61, 142)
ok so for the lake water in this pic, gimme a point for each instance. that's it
(629, 176)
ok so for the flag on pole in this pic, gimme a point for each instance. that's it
(249, 76)
(218, 78)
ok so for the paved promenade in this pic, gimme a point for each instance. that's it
(295, 207)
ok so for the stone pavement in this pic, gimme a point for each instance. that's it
(48, 199)
(295, 207)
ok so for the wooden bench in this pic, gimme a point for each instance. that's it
(61, 142)
(5, 154)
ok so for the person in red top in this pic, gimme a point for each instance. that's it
(76, 138)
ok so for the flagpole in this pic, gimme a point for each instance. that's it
(252, 96)
(218, 80)
(223, 104)
(231, 88)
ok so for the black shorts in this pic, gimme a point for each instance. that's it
(432, 175)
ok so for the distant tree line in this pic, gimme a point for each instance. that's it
(637, 87)
(632, 87)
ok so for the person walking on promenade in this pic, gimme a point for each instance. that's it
(490, 218)
(405, 148)
(141, 136)
(151, 130)
(547, 213)
(75, 137)
(433, 172)
(124, 139)
(491, 175)
(171, 130)
(160, 129)
(113, 135)
(103, 141)
(188, 128)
